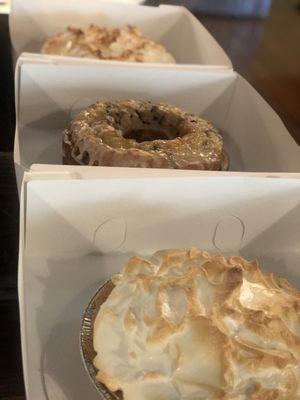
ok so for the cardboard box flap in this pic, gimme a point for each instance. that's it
(259, 133)
(85, 172)
(172, 26)
(147, 231)
(80, 233)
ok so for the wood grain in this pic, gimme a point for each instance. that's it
(267, 53)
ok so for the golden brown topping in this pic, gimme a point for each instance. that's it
(143, 134)
(205, 327)
(107, 44)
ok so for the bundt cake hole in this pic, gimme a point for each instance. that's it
(148, 135)
(85, 157)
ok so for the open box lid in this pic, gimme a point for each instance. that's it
(48, 171)
(68, 229)
(128, 192)
(254, 136)
(66, 172)
(33, 21)
(131, 194)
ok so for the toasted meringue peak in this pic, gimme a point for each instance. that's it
(187, 325)
(105, 43)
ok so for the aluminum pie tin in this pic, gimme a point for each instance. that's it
(86, 340)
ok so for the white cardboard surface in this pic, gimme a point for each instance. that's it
(86, 172)
(48, 96)
(63, 261)
(33, 21)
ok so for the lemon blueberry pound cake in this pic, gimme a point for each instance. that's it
(143, 134)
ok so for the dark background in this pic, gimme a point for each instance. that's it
(265, 51)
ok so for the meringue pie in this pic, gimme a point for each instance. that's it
(189, 325)
(104, 43)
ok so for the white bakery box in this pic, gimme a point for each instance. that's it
(33, 21)
(76, 231)
(48, 96)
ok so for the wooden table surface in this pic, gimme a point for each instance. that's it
(266, 52)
